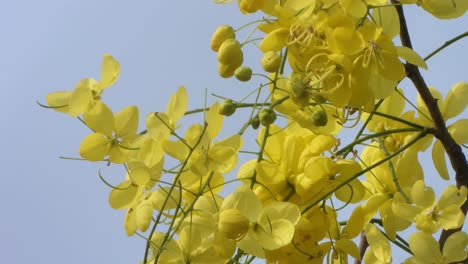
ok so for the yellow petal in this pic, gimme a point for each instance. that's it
(411, 56)
(379, 243)
(280, 210)
(348, 247)
(244, 199)
(138, 173)
(250, 245)
(159, 126)
(356, 8)
(94, 147)
(452, 195)
(110, 70)
(438, 157)
(422, 195)
(355, 224)
(126, 121)
(277, 233)
(160, 195)
(450, 217)
(130, 222)
(214, 120)
(456, 100)
(455, 248)
(425, 247)
(123, 195)
(459, 131)
(59, 101)
(275, 40)
(100, 119)
(143, 214)
(387, 18)
(82, 97)
(177, 105)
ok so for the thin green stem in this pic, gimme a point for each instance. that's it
(446, 44)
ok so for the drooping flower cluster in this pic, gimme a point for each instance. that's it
(329, 66)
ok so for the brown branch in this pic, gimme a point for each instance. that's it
(362, 247)
(453, 150)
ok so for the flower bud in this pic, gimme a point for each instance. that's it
(227, 108)
(220, 35)
(233, 223)
(255, 123)
(226, 71)
(319, 118)
(267, 117)
(230, 53)
(243, 73)
(271, 61)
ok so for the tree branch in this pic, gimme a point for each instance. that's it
(453, 150)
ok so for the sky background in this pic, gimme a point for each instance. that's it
(55, 210)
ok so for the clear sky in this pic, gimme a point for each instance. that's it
(56, 211)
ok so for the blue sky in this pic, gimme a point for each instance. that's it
(56, 210)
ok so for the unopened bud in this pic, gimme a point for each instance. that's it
(220, 35)
(230, 53)
(267, 117)
(319, 118)
(255, 123)
(226, 71)
(243, 73)
(271, 61)
(227, 108)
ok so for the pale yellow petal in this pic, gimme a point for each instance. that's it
(123, 195)
(110, 70)
(438, 157)
(126, 121)
(411, 56)
(59, 101)
(100, 119)
(177, 105)
(455, 248)
(214, 120)
(387, 18)
(379, 243)
(94, 147)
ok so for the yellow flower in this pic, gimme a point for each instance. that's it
(270, 228)
(87, 92)
(160, 125)
(113, 135)
(430, 215)
(220, 157)
(426, 249)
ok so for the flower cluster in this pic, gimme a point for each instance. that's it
(329, 66)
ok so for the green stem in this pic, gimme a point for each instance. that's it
(446, 44)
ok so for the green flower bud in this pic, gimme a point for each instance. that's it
(227, 108)
(271, 61)
(255, 123)
(267, 117)
(243, 74)
(319, 118)
(220, 35)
